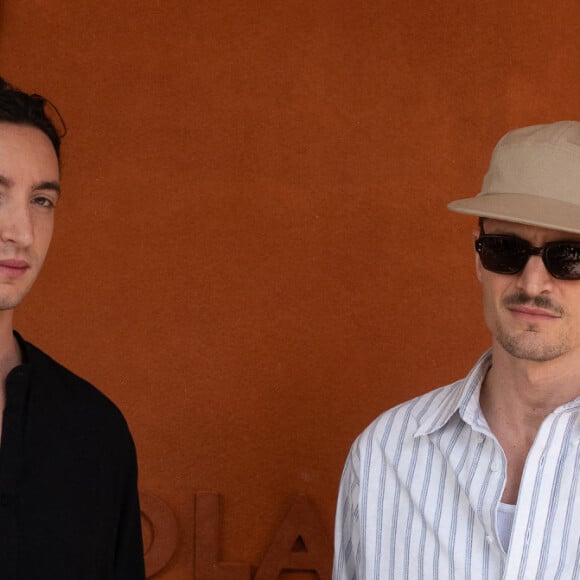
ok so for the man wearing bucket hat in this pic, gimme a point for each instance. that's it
(480, 479)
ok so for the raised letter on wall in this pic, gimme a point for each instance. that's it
(300, 545)
(207, 543)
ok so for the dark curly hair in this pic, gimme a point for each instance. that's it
(21, 108)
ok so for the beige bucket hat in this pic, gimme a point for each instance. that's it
(533, 178)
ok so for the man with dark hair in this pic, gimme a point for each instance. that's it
(69, 507)
(480, 479)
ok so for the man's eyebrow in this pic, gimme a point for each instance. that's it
(46, 185)
(42, 185)
(5, 181)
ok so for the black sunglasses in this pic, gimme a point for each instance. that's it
(509, 254)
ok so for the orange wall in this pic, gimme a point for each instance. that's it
(253, 256)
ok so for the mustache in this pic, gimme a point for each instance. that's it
(522, 298)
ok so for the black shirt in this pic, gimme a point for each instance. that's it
(69, 507)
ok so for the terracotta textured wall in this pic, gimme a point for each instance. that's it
(253, 256)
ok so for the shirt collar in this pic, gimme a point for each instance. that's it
(461, 396)
(25, 350)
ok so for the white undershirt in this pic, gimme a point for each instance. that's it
(505, 519)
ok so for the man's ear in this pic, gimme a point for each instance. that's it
(478, 266)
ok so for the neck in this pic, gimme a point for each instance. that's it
(516, 396)
(524, 392)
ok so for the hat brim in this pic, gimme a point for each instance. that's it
(523, 209)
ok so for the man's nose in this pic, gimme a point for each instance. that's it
(534, 278)
(16, 223)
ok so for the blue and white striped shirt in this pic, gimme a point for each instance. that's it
(421, 487)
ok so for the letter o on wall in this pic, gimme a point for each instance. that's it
(160, 534)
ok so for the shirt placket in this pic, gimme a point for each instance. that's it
(11, 468)
(536, 489)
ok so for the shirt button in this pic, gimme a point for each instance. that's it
(481, 438)
(489, 539)
(493, 466)
(542, 459)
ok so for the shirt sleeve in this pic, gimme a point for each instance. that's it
(347, 536)
(129, 560)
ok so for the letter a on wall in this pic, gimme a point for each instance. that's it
(301, 544)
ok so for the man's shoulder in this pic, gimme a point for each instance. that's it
(62, 391)
(432, 410)
(405, 419)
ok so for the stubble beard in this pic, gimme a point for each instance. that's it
(530, 344)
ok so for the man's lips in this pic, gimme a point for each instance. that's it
(532, 313)
(13, 268)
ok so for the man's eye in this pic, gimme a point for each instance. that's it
(44, 202)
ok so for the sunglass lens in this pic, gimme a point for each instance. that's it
(502, 254)
(563, 260)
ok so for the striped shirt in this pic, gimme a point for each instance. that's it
(421, 487)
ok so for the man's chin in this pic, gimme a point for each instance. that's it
(10, 302)
(532, 351)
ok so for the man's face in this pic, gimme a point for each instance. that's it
(531, 315)
(29, 191)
